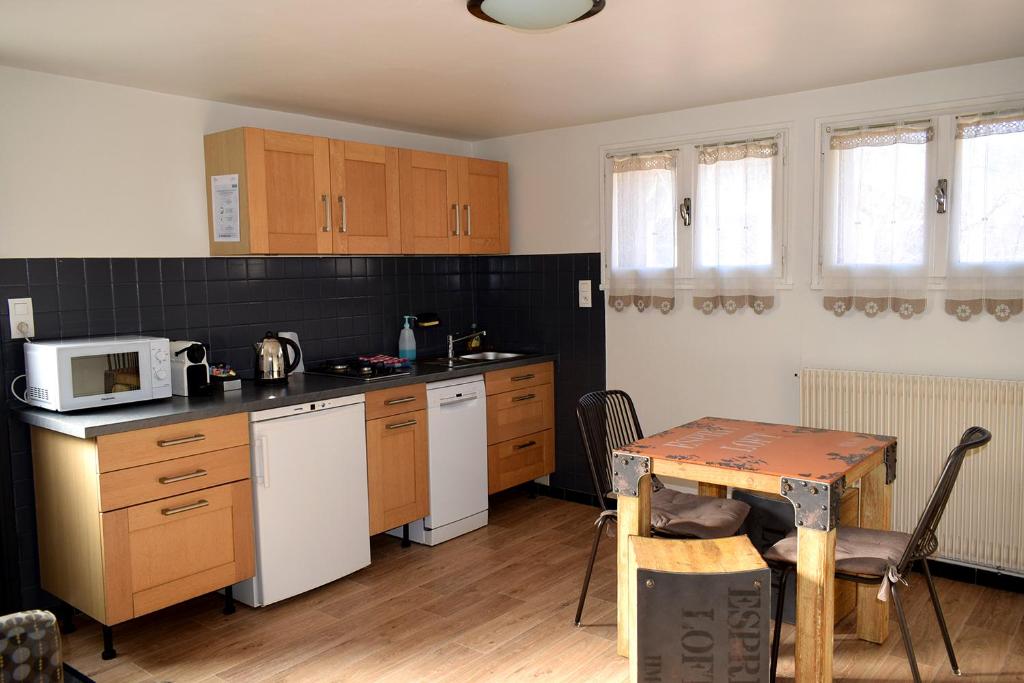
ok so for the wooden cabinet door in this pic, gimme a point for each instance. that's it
(430, 202)
(289, 186)
(364, 188)
(396, 470)
(520, 460)
(520, 412)
(483, 192)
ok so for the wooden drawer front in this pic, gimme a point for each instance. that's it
(396, 401)
(177, 548)
(396, 470)
(518, 378)
(135, 485)
(520, 460)
(517, 413)
(144, 446)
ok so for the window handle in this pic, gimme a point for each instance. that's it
(685, 212)
(941, 196)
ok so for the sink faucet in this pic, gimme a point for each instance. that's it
(452, 341)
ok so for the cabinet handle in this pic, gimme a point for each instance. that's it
(458, 225)
(177, 442)
(522, 378)
(167, 512)
(524, 397)
(397, 401)
(182, 477)
(327, 213)
(399, 425)
(344, 213)
(521, 446)
(469, 221)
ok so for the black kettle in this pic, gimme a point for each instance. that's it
(273, 364)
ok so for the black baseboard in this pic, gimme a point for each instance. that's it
(947, 570)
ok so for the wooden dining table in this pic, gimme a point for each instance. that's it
(810, 468)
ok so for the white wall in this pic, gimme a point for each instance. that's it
(91, 169)
(686, 365)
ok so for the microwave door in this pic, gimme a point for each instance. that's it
(100, 375)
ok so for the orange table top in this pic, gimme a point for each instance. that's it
(804, 453)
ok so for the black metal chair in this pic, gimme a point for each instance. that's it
(607, 420)
(884, 557)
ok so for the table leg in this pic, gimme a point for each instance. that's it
(815, 604)
(875, 513)
(712, 490)
(634, 519)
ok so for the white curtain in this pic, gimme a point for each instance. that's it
(643, 233)
(877, 220)
(986, 271)
(733, 237)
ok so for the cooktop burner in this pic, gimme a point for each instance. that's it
(363, 368)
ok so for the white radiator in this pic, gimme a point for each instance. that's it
(984, 522)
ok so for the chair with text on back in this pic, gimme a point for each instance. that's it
(607, 420)
(885, 557)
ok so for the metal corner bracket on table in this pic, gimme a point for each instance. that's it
(815, 504)
(890, 463)
(627, 470)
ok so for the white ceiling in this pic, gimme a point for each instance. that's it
(427, 65)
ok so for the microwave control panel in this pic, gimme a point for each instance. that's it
(160, 362)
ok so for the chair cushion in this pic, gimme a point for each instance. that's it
(686, 514)
(30, 650)
(867, 552)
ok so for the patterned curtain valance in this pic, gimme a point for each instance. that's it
(906, 134)
(980, 125)
(759, 149)
(643, 162)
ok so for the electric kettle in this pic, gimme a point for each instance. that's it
(273, 364)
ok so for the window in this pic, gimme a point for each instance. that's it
(877, 223)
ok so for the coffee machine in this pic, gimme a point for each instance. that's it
(190, 369)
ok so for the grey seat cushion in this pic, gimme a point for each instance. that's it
(867, 552)
(686, 514)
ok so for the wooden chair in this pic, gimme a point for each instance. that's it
(608, 420)
(885, 557)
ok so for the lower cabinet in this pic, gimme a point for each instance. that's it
(520, 425)
(520, 460)
(396, 469)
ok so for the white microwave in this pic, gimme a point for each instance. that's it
(74, 374)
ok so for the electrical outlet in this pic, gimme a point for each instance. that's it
(586, 298)
(22, 321)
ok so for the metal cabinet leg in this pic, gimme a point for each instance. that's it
(229, 600)
(67, 618)
(108, 644)
(405, 536)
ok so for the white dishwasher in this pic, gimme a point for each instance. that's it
(309, 497)
(457, 436)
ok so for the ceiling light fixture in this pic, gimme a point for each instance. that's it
(534, 15)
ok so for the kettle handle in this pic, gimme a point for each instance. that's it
(295, 354)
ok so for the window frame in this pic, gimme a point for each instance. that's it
(686, 187)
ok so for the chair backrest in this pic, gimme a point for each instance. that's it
(924, 542)
(607, 421)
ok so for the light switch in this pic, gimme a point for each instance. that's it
(22, 321)
(586, 298)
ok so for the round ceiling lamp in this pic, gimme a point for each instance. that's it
(534, 15)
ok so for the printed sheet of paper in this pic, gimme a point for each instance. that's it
(224, 191)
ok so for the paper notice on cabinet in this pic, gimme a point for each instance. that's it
(224, 191)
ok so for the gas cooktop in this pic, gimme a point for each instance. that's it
(363, 368)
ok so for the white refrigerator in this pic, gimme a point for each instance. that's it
(309, 498)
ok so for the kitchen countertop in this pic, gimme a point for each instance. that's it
(86, 424)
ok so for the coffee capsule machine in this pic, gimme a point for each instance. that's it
(190, 369)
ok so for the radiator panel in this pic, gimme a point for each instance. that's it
(984, 522)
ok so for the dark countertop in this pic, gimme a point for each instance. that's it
(86, 424)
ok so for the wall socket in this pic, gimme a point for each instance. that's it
(22, 321)
(586, 297)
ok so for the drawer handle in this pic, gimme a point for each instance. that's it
(182, 477)
(523, 378)
(399, 425)
(397, 401)
(524, 397)
(177, 442)
(521, 446)
(167, 512)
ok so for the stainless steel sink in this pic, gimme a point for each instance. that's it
(490, 355)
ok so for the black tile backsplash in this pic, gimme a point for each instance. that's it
(337, 305)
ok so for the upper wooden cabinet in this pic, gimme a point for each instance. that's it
(300, 194)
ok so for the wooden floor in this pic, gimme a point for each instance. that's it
(495, 605)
